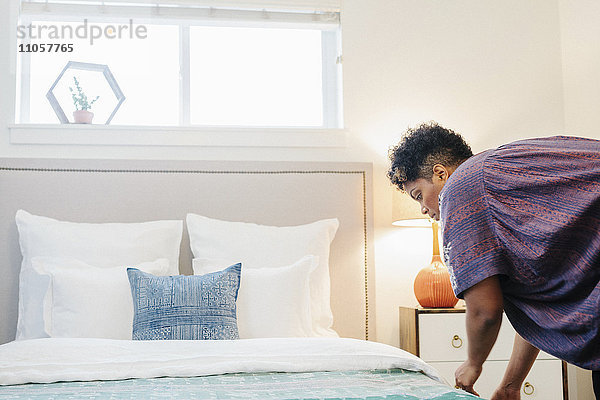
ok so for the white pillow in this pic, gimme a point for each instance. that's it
(261, 246)
(101, 245)
(89, 302)
(272, 302)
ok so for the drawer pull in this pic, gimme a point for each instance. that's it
(528, 388)
(457, 342)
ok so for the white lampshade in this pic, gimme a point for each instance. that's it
(406, 212)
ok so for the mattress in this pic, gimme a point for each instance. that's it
(285, 368)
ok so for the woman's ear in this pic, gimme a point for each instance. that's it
(440, 172)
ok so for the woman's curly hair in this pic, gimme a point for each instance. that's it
(421, 148)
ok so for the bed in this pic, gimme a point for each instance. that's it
(277, 257)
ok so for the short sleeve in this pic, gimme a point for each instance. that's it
(471, 248)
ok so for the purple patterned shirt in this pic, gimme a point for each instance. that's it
(529, 212)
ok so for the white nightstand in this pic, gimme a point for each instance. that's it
(439, 337)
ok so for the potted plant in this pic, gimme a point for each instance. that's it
(81, 115)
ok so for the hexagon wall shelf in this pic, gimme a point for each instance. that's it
(101, 68)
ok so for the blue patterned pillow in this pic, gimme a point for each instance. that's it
(185, 307)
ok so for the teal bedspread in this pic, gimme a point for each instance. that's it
(395, 384)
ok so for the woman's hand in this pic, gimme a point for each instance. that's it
(466, 375)
(504, 393)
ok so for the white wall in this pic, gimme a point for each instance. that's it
(491, 70)
(581, 66)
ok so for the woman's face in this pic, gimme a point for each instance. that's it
(427, 192)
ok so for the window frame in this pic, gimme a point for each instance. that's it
(331, 75)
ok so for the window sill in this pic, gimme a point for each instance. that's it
(114, 135)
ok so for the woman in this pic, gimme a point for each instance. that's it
(521, 233)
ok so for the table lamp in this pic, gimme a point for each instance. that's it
(432, 285)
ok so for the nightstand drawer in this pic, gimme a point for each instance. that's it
(544, 381)
(443, 337)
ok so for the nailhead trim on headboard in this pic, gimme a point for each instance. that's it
(361, 173)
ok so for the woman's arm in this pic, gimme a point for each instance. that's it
(484, 316)
(521, 360)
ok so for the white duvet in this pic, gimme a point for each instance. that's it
(52, 359)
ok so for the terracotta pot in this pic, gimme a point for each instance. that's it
(432, 285)
(82, 117)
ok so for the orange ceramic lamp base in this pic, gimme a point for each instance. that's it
(432, 284)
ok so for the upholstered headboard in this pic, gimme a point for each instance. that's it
(269, 193)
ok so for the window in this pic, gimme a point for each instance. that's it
(191, 67)
(266, 76)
